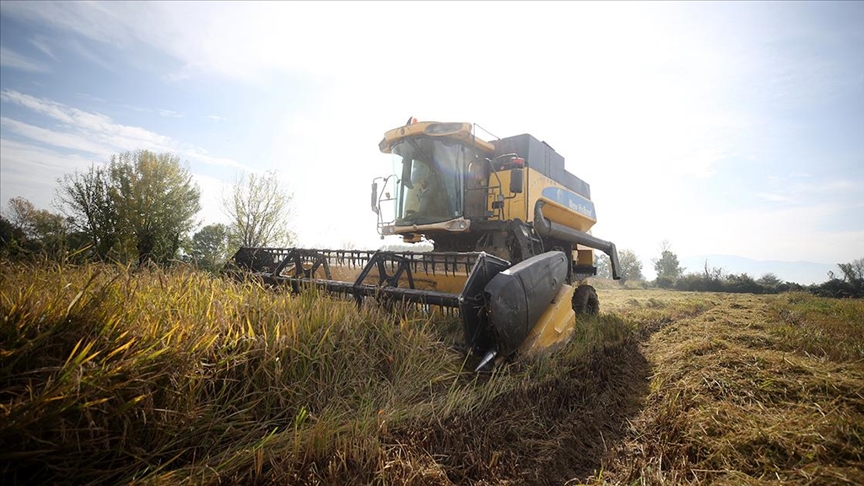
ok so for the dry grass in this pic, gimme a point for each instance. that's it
(165, 377)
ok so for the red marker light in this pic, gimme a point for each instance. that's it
(518, 161)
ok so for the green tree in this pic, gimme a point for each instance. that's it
(86, 201)
(140, 206)
(259, 208)
(209, 246)
(155, 200)
(10, 237)
(631, 267)
(853, 272)
(769, 281)
(667, 267)
(850, 285)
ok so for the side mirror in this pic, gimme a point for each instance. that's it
(516, 181)
(375, 197)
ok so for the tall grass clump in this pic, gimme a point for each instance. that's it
(109, 374)
(113, 375)
(831, 328)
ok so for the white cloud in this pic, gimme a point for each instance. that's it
(805, 190)
(83, 51)
(42, 44)
(32, 171)
(216, 118)
(11, 59)
(91, 20)
(53, 138)
(773, 197)
(45, 107)
(139, 109)
(170, 114)
(90, 97)
(97, 134)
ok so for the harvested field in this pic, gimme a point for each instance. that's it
(109, 376)
(745, 389)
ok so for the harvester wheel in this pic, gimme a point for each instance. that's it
(585, 301)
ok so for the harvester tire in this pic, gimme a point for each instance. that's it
(585, 301)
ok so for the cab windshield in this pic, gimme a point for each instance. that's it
(430, 186)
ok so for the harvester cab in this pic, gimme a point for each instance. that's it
(510, 229)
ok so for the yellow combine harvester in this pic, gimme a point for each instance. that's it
(510, 232)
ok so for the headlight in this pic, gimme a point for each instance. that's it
(457, 225)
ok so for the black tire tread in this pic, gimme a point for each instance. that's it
(585, 301)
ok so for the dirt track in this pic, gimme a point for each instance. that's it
(547, 432)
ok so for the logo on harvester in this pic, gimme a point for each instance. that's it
(570, 200)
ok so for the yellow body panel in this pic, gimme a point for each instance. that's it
(555, 326)
(585, 256)
(514, 204)
(559, 214)
(521, 206)
(462, 132)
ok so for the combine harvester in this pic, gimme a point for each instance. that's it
(510, 229)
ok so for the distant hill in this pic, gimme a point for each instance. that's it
(804, 273)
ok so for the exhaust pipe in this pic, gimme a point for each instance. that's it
(551, 229)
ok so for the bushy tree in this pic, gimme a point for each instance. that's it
(667, 267)
(742, 283)
(259, 208)
(155, 200)
(769, 280)
(138, 207)
(853, 272)
(19, 211)
(850, 285)
(713, 279)
(10, 236)
(631, 267)
(85, 199)
(210, 246)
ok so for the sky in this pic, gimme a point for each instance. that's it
(732, 128)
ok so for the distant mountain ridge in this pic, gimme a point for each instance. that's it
(804, 273)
